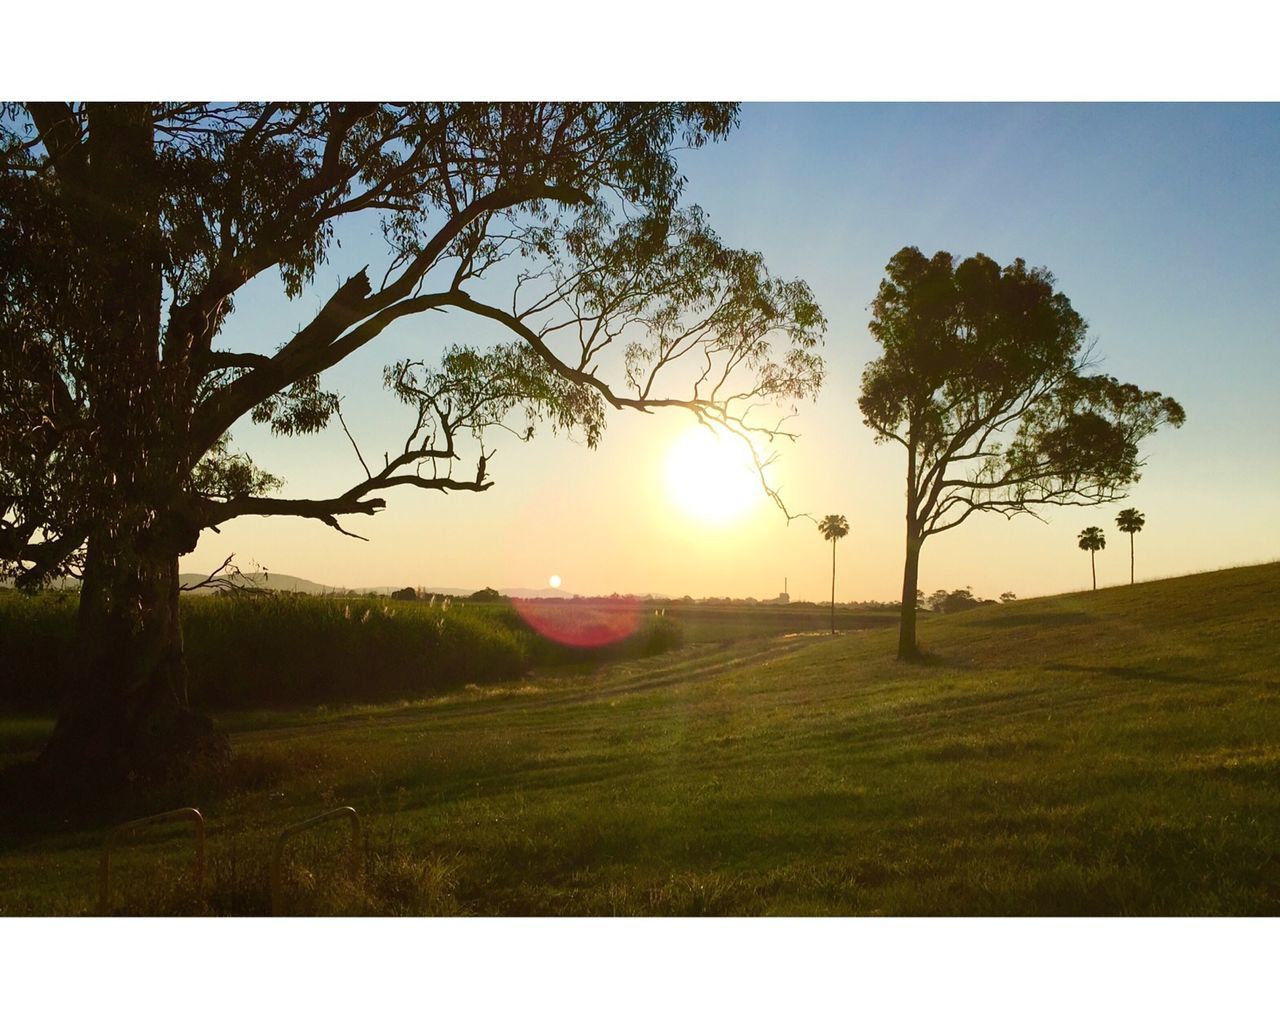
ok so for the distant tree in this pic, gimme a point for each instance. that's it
(945, 601)
(1008, 596)
(1131, 521)
(129, 230)
(1092, 540)
(408, 593)
(833, 528)
(983, 382)
(488, 595)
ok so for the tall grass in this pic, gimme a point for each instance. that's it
(36, 637)
(294, 649)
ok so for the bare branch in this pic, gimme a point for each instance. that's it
(355, 447)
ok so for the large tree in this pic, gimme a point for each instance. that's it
(127, 231)
(984, 381)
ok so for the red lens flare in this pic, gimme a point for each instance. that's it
(581, 623)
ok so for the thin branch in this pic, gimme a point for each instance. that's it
(338, 409)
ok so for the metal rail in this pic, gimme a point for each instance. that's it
(277, 859)
(104, 872)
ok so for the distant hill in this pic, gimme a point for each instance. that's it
(296, 584)
(267, 580)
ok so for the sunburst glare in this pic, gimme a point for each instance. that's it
(712, 477)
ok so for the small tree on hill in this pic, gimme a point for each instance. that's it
(833, 528)
(1092, 540)
(983, 381)
(1131, 521)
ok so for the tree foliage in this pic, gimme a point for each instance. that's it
(1130, 520)
(984, 379)
(1092, 539)
(561, 223)
(947, 601)
(833, 527)
(127, 233)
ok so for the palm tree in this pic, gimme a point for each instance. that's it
(833, 528)
(1092, 540)
(1131, 521)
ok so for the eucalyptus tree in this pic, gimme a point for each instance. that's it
(129, 230)
(833, 528)
(1130, 521)
(984, 381)
(1092, 540)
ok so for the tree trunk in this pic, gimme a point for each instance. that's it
(833, 587)
(907, 648)
(124, 713)
(1130, 559)
(1093, 567)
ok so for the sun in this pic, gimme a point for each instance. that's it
(554, 582)
(712, 476)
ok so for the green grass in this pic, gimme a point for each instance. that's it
(296, 650)
(704, 623)
(1114, 752)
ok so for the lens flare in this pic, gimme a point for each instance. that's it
(581, 623)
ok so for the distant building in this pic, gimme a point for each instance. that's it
(782, 598)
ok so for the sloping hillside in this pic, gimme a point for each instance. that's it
(1096, 753)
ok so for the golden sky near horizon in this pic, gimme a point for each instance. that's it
(1165, 244)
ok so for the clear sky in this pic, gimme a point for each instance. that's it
(1161, 223)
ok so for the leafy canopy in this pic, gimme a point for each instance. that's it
(1092, 539)
(128, 230)
(983, 379)
(1130, 520)
(833, 527)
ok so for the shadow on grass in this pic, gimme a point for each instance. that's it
(933, 661)
(1047, 619)
(35, 806)
(1138, 674)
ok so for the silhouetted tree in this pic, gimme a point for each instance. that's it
(983, 382)
(1092, 540)
(1008, 597)
(1131, 521)
(955, 600)
(833, 528)
(127, 231)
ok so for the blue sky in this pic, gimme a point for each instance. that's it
(1160, 222)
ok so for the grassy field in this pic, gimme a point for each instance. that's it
(301, 650)
(703, 623)
(1114, 752)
